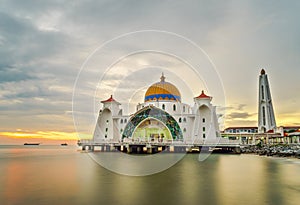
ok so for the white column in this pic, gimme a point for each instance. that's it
(266, 117)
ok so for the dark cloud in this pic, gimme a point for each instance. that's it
(10, 73)
(239, 115)
(44, 43)
(241, 107)
(24, 42)
(234, 107)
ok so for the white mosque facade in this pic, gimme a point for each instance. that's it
(162, 117)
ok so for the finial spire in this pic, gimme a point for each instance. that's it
(162, 78)
(262, 72)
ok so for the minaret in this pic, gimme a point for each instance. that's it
(266, 117)
(107, 123)
(206, 121)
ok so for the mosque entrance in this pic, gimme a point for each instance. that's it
(152, 130)
(156, 122)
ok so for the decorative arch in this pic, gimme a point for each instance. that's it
(204, 107)
(153, 112)
(162, 128)
(205, 112)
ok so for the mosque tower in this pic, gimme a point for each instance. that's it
(266, 117)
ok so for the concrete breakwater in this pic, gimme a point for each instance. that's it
(280, 150)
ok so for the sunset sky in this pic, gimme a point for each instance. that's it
(44, 44)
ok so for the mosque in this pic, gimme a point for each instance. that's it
(162, 117)
(163, 121)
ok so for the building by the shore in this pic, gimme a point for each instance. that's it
(164, 119)
(242, 130)
(250, 135)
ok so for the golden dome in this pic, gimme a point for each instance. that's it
(162, 90)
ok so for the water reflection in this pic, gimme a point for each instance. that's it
(256, 180)
(70, 177)
(31, 177)
(274, 192)
(240, 179)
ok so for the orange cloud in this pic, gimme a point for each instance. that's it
(51, 135)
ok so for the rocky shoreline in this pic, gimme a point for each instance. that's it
(278, 150)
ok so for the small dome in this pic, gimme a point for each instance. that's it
(162, 90)
(203, 95)
(110, 100)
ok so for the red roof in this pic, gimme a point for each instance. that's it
(203, 95)
(111, 99)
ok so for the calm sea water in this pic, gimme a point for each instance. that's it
(64, 175)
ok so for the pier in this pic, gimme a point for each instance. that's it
(228, 143)
(157, 147)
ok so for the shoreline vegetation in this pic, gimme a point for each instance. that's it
(276, 150)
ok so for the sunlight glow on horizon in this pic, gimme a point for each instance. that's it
(51, 135)
(284, 120)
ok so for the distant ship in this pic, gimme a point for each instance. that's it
(32, 143)
(64, 144)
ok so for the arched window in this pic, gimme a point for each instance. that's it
(125, 121)
(264, 115)
(184, 119)
(179, 120)
(174, 107)
(163, 107)
(121, 121)
(106, 129)
(183, 108)
(203, 120)
(262, 92)
(268, 93)
(184, 130)
(121, 130)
